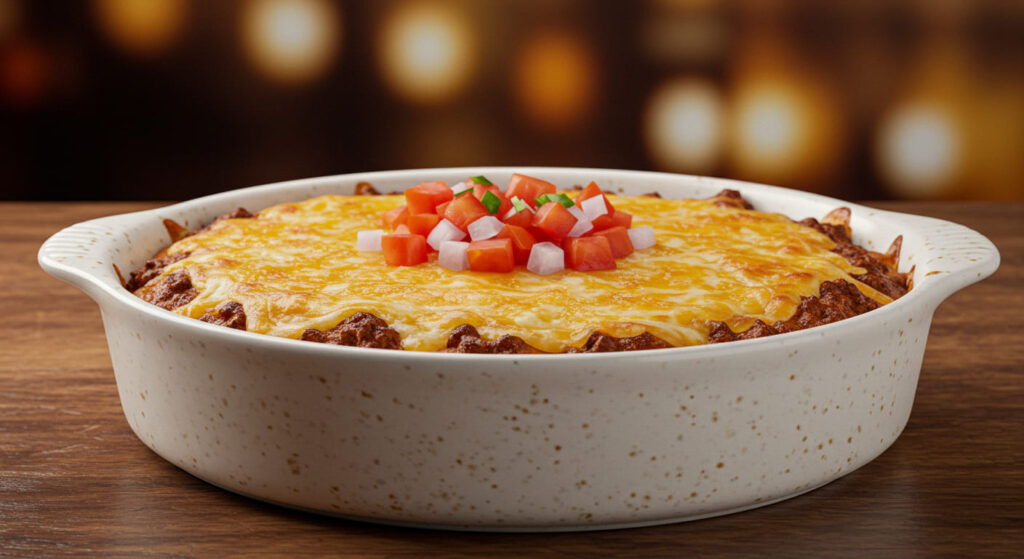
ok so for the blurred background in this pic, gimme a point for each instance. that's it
(171, 99)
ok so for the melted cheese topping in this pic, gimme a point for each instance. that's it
(296, 266)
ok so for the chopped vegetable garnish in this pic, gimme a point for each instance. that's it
(422, 224)
(641, 237)
(560, 198)
(404, 250)
(492, 255)
(594, 191)
(464, 210)
(530, 223)
(424, 198)
(528, 188)
(445, 231)
(453, 256)
(369, 241)
(554, 220)
(621, 218)
(393, 218)
(594, 207)
(546, 258)
(520, 218)
(491, 201)
(485, 228)
(583, 224)
(522, 241)
(618, 238)
(588, 254)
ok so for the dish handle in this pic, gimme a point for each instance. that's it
(71, 255)
(948, 256)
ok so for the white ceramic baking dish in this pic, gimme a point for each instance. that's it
(517, 442)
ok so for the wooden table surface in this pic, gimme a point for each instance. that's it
(75, 480)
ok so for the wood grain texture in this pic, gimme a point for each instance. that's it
(75, 480)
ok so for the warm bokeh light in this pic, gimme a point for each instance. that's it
(787, 125)
(427, 53)
(683, 125)
(919, 150)
(556, 80)
(142, 27)
(956, 130)
(858, 100)
(291, 41)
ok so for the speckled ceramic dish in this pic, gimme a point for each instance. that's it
(528, 442)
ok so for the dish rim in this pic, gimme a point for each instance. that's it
(924, 287)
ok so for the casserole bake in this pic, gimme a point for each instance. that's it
(525, 442)
(719, 271)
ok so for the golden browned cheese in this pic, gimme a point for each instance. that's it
(295, 266)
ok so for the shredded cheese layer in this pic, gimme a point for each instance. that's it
(295, 266)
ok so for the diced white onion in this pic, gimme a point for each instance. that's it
(459, 187)
(452, 255)
(485, 228)
(582, 223)
(641, 237)
(444, 231)
(369, 241)
(546, 258)
(594, 207)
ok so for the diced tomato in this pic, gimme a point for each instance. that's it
(618, 238)
(440, 209)
(492, 255)
(622, 218)
(603, 222)
(593, 190)
(520, 219)
(422, 224)
(403, 229)
(464, 210)
(522, 241)
(479, 189)
(554, 220)
(393, 218)
(542, 237)
(585, 254)
(403, 249)
(424, 198)
(527, 188)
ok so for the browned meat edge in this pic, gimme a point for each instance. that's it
(152, 268)
(837, 299)
(229, 313)
(366, 189)
(880, 275)
(466, 339)
(171, 292)
(361, 330)
(599, 342)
